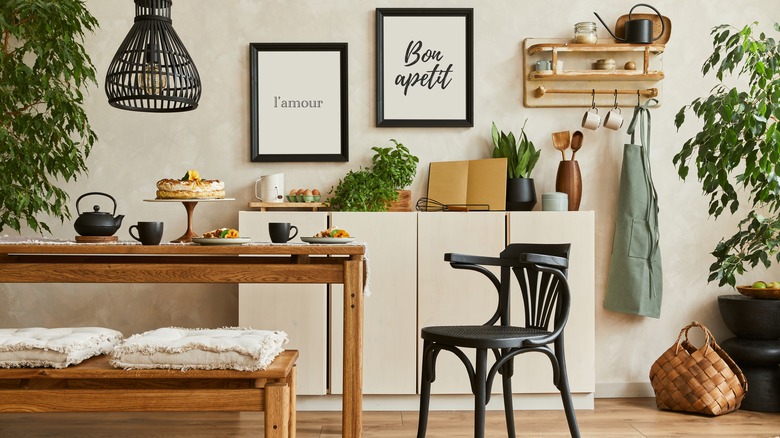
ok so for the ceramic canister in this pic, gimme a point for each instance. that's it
(555, 201)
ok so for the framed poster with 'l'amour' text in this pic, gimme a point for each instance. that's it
(298, 102)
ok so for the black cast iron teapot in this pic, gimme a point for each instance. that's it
(638, 30)
(97, 223)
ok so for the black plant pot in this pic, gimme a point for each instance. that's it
(520, 194)
(756, 348)
(751, 318)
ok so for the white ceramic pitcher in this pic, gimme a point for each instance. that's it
(270, 188)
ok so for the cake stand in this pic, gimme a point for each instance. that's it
(189, 205)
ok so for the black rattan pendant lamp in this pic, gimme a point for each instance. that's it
(152, 71)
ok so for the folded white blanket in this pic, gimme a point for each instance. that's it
(54, 347)
(205, 349)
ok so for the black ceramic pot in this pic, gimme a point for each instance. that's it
(758, 361)
(520, 194)
(751, 318)
(756, 349)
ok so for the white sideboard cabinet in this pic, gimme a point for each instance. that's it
(534, 374)
(301, 310)
(411, 286)
(390, 327)
(448, 296)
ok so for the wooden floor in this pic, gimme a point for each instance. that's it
(619, 418)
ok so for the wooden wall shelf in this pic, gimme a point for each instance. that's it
(601, 47)
(265, 206)
(595, 75)
(570, 83)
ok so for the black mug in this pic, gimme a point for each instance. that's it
(280, 232)
(149, 233)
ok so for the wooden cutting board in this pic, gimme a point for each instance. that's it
(96, 239)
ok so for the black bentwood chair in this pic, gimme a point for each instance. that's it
(541, 271)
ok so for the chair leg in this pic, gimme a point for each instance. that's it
(425, 392)
(568, 405)
(508, 408)
(480, 393)
(563, 387)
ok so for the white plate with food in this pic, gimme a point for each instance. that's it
(328, 240)
(221, 241)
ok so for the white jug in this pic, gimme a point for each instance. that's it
(270, 188)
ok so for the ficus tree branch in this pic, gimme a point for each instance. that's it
(45, 136)
(737, 149)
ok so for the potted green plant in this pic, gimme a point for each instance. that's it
(398, 166)
(376, 189)
(521, 156)
(44, 131)
(736, 154)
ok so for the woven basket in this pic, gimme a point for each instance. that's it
(702, 380)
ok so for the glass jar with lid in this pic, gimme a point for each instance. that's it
(585, 33)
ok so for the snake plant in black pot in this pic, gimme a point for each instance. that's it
(521, 156)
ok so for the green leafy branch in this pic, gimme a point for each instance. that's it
(45, 136)
(395, 164)
(757, 239)
(740, 133)
(738, 146)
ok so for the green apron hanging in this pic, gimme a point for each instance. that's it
(635, 279)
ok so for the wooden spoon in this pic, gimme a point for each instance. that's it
(561, 142)
(576, 143)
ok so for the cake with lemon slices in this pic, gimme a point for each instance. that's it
(191, 186)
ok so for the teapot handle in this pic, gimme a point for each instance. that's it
(78, 212)
(663, 25)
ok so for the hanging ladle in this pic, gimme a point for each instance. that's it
(561, 142)
(576, 143)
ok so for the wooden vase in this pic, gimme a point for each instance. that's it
(569, 181)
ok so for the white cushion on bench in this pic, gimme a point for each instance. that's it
(228, 348)
(54, 347)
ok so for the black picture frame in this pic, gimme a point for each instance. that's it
(299, 102)
(412, 43)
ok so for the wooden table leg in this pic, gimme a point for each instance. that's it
(293, 382)
(277, 410)
(352, 402)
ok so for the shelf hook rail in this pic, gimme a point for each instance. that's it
(647, 92)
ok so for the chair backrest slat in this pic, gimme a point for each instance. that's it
(540, 291)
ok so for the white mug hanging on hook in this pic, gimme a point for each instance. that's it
(614, 119)
(592, 119)
(270, 188)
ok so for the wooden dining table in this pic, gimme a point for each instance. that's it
(43, 261)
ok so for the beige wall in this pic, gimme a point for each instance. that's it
(137, 149)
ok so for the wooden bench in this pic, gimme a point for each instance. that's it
(96, 386)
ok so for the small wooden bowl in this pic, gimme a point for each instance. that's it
(759, 292)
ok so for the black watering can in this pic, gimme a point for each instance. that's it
(637, 31)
